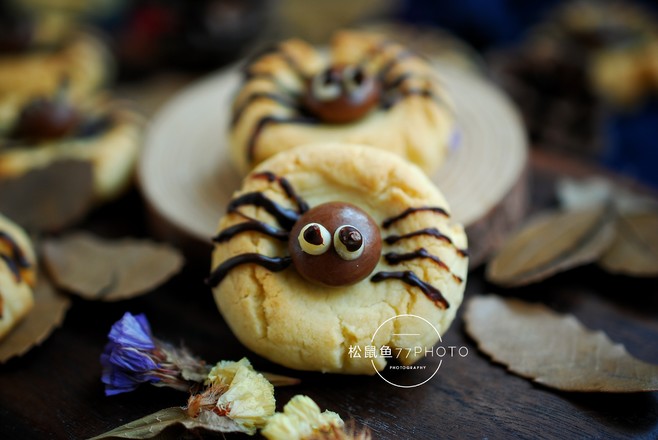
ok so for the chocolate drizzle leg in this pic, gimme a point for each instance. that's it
(433, 232)
(274, 264)
(393, 258)
(255, 226)
(302, 206)
(276, 50)
(412, 279)
(389, 221)
(392, 239)
(266, 120)
(284, 216)
(282, 100)
(16, 260)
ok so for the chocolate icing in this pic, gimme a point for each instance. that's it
(274, 264)
(393, 258)
(284, 216)
(433, 232)
(281, 99)
(302, 206)
(16, 260)
(330, 269)
(313, 235)
(389, 221)
(392, 239)
(256, 226)
(412, 279)
(265, 120)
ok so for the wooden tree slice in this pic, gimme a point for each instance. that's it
(187, 178)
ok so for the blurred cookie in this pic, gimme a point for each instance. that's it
(27, 72)
(53, 128)
(17, 275)
(323, 244)
(365, 89)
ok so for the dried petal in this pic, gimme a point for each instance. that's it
(48, 313)
(49, 198)
(553, 243)
(556, 351)
(107, 270)
(249, 399)
(301, 419)
(634, 250)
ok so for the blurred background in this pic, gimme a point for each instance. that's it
(584, 74)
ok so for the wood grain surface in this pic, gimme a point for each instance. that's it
(55, 392)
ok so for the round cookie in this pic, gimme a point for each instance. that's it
(103, 132)
(298, 320)
(364, 89)
(17, 275)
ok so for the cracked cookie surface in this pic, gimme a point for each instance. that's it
(281, 315)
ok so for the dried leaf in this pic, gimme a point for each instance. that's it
(109, 270)
(49, 198)
(154, 424)
(48, 313)
(553, 243)
(556, 351)
(634, 250)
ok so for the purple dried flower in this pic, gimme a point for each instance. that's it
(133, 356)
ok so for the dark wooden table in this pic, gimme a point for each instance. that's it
(55, 390)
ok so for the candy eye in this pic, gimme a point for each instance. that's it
(353, 78)
(348, 242)
(314, 239)
(326, 86)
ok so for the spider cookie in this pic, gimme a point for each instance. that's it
(323, 244)
(30, 68)
(365, 90)
(53, 128)
(17, 275)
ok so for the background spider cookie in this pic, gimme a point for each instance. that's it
(17, 275)
(366, 90)
(323, 244)
(50, 128)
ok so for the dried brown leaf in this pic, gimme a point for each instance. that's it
(553, 243)
(634, 250)
(554, 350)
(48, 313)
(109, 270)
(49, 198)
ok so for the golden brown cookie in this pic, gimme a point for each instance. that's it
(17, 275)
(323, 244)
(364, 89)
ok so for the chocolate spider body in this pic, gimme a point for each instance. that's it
(333, 244)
